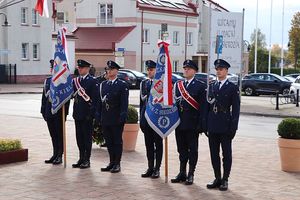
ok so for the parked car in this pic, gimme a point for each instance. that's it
(128, 78)
(294, 87)
(203, 77)
(234, 79)
(264, 83)
(176, 77)
(179, 73)
(291, 77)
(138, 75)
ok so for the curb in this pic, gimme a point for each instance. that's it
(21, 93)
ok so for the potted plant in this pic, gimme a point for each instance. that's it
(289, 144)
(131, 129)
(98, 137)
(12, 151)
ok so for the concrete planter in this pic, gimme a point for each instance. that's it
(289, 154)
(130, 134)
(13, 156)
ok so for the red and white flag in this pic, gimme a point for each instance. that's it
(167, 85)
(41, 7)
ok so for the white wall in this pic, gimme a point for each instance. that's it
(18, 34)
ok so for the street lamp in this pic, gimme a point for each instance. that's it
(5, 20)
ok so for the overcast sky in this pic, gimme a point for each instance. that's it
(264, 10)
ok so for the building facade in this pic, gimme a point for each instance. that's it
(28, 42)
(127, 31)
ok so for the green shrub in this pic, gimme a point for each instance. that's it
(10, 145)
(132, 115)
(289, 128)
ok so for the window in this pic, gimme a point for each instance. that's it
(25, 51)
(35, 17)
(258, 77)
(60, 17)
(189, 39)
(24, 15)
(175, 65)
(176, 37)
(36, 51)
(146, 36)
(159, 35)
(106, 14)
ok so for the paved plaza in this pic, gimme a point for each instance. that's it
(255, 174)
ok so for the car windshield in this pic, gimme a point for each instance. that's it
(138, 74)
(279, 77)
(177, 76)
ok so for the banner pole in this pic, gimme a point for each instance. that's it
(64, 135)
(166, 160)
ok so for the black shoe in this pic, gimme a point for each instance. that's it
(85, 164)
(107, 168)
(57, 161)
(50, 161)
(147, 173)
(77, 165)
(190, 179)
(224, 185)
(116, 168)
(181, 177)
(155, 174)
(214, 184)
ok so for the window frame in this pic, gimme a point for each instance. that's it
(108, 18)
(26, 51)
(37, 51)
(35, 18)
(24, 16)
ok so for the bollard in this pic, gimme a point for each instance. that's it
(297, 99)
(277, 101)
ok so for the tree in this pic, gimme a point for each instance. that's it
(261, 39)
(262, 53)
(294, 38)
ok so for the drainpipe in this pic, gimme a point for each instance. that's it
(142, 45)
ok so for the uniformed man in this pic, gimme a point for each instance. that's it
(54, 122)
(223, 118)
(112, 111)
(86, 96)
(191, 103)
(153, 142)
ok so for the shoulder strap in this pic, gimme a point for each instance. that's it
(187, 97)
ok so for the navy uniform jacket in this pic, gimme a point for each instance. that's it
(145, 88)
(85, 110)
(225, 118)
(190, 118)
(46, 102)
(113, 104)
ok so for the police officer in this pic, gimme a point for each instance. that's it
(54, 122)
(86, 96)
(191, 103)
(223, 118)
(112, 111)
(153, 142)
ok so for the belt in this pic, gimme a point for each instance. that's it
(219, 109)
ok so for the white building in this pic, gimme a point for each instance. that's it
(127, 31)
(28, 41)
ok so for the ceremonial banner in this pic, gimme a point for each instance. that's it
(61, 88)
(161, 112)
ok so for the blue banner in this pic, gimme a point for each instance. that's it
(61, 88)
(162, 118)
